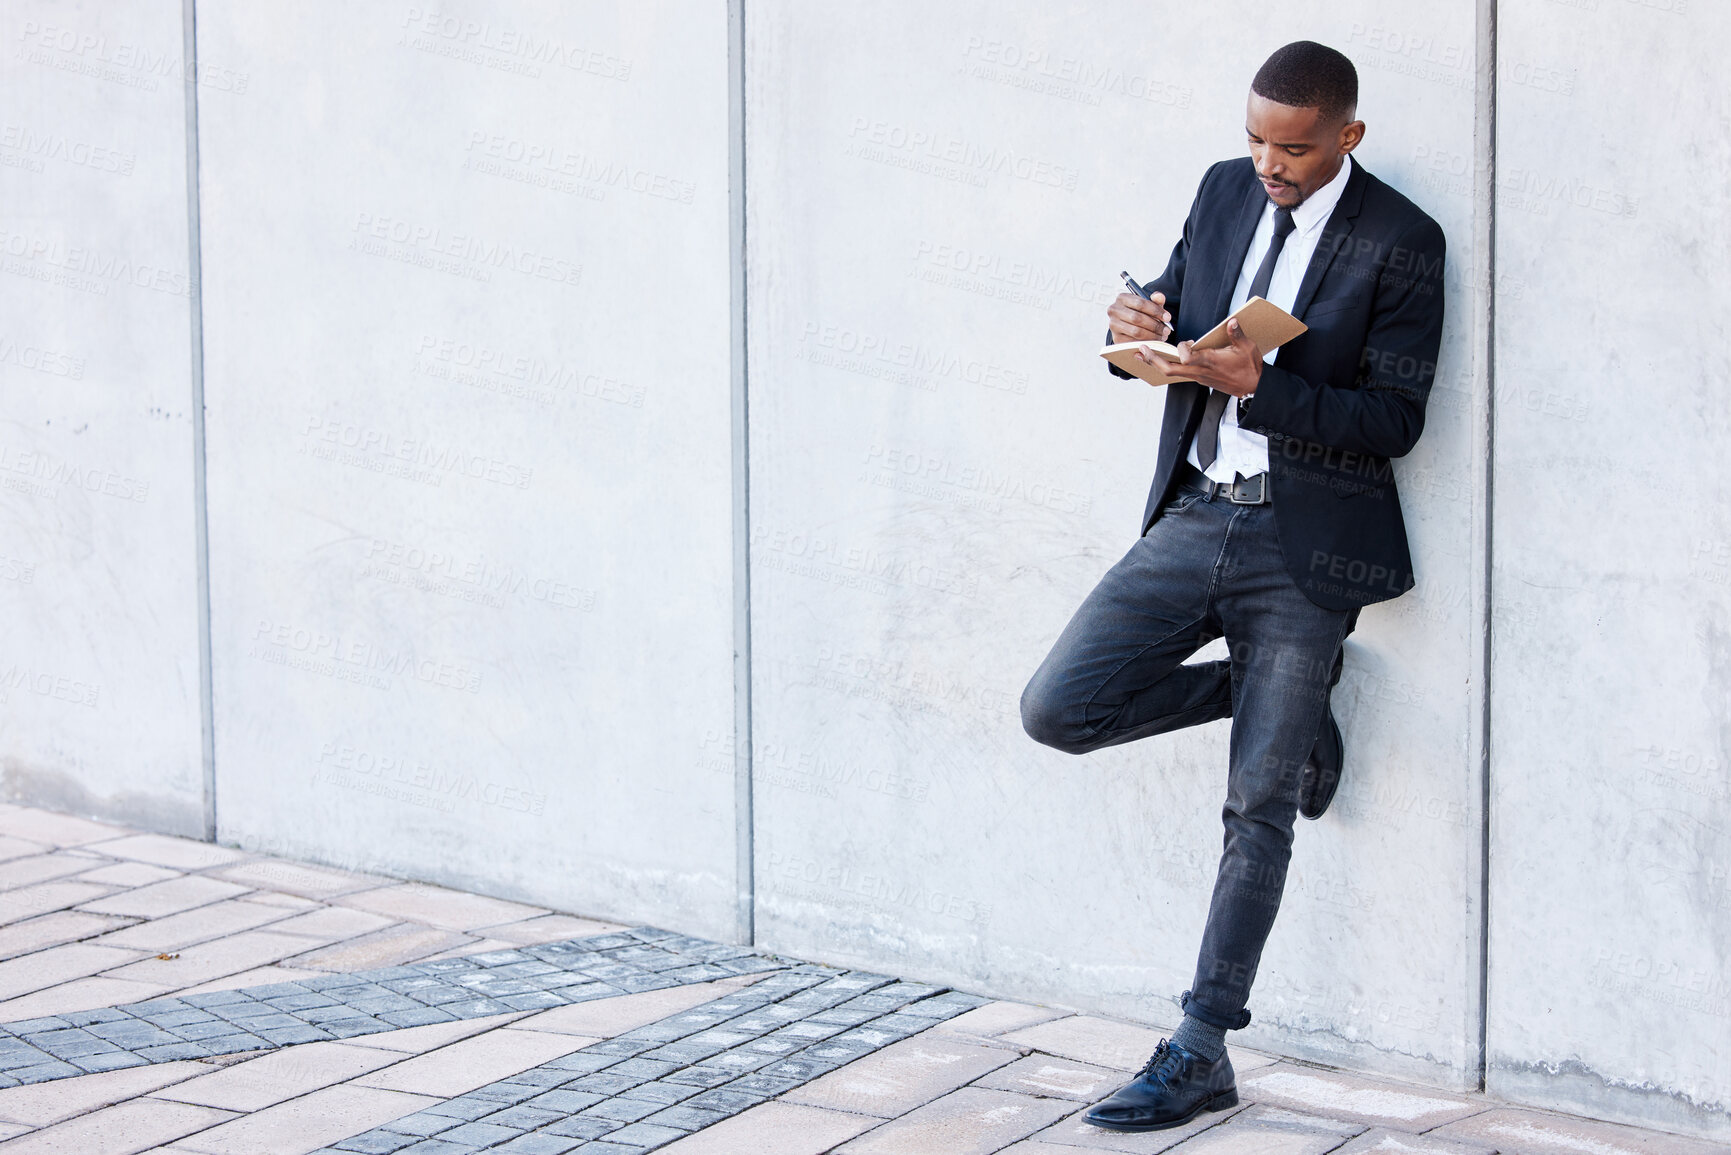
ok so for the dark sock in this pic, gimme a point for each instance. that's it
(1200, 1038)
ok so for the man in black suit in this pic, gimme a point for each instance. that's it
(1273, 518)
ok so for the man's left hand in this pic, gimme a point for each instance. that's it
(1234, 369)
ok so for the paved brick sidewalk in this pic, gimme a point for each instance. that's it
(361, 1014)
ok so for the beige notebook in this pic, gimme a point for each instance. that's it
(1267, 324)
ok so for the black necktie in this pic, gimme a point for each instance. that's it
(1208, 433)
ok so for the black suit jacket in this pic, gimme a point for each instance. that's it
(1339, 401)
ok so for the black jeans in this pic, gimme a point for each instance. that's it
(1206, 569)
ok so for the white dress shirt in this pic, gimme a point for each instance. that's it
(1240, 451)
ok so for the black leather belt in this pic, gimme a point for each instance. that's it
(1252, 490)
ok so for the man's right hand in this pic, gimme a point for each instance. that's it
(1130, 318)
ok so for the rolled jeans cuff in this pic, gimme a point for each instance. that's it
(1202, 1014)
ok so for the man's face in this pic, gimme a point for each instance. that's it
(1295, 150)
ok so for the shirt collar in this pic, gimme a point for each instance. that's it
(1317, 207)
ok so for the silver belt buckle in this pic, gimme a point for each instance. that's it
(1232, 491)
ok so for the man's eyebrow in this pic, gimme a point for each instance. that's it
(1280, 143)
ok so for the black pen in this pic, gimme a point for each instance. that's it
(1137, 289)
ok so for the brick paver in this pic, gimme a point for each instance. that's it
(436, 906)
(1087, 1039)
(42, 1104)
(773, 1128)
(550, 928)
(392, 945)
(1383, 1141)
(47, 828)
(215, 920)
(1271, 1131)
(1072, 1135)
(605, 1018)
(171, 896)
(304, 1008)
(331, 922)
(462, 1066)
(81, 995)
(1055, 1078)
(132, 1126)
(307, 1123)
(31, 901)
(18, 872)
(11, 847)
(165, 850)
(1541, 1133)
(298, 878)
(1346, 1096)
(997, 1018)
(420, 1040)
(129, 874)
(969, 1121)
(75, 960)
(901, 1077)
(279, 1075)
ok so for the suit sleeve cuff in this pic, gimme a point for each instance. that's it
(1116, 372)
(1263, 409)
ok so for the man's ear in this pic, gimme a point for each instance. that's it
(1351, 135)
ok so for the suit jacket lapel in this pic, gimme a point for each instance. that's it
(1243, 229)
(1336, 236)
(1249, 213)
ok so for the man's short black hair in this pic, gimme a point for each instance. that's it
(1306, 74)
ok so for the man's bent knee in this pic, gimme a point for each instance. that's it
(1043, 719)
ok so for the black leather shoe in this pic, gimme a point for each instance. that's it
(1322, 769)
(1172, 1088)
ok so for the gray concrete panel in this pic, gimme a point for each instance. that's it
(1610, 977)
(942, 469)
(99, 669)
(467, 346)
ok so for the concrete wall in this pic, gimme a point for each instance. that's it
(466, 334)
(941, 470)
(1610, 978)
(99, 655)
(471, 561)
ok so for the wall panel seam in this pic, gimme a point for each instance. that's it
(744, 868)
(1486, 284)
(200, 507)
